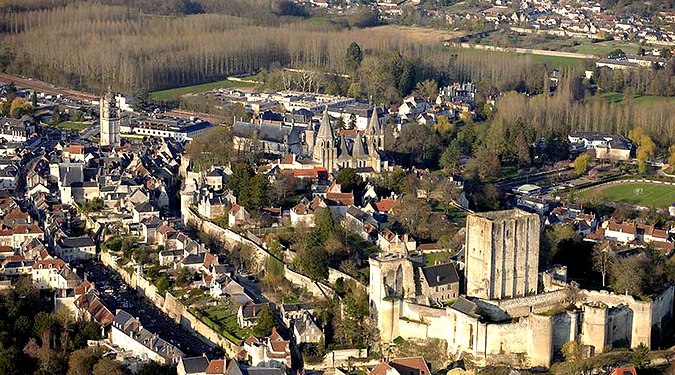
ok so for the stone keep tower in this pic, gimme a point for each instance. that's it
(111, 117)
(502, 254)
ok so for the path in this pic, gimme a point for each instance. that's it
(526, 51)
(45, 87)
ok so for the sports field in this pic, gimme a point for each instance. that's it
(641, 194)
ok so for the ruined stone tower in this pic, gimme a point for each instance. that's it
(502, 254)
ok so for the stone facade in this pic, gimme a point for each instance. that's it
(502, 254)
(526, 329)
(111, 118)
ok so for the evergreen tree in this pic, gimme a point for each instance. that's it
(264, 323)
(353, 57)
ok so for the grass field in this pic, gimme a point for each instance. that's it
(175, 93)
(647, 195)
(602, 49)
(72, 125)
(616, 97)
(558, 61)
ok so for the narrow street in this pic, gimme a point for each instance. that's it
(117, 295)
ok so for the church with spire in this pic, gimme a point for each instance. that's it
(363, 151)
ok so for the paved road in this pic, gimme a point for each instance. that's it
(121, 297)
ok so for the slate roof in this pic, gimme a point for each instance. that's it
(77, 242)
(442, 274)
(195, 365)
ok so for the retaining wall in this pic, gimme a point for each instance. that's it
(169, 305)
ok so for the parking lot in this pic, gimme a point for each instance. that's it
(117, 295)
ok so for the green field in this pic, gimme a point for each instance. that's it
(602, 49)
(558, 61)
(641, 194)
(617, 97)
(175, 93)
(72, 125)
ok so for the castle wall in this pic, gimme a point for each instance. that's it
(594, 326)
(564, 329)
(642, 313)
(619, 326)
(538, 303)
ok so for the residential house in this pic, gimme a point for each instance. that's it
(238, 216)
(440, 283)
(306, 331)
(272, 351)
(303, 213)
(402, 366)
(76, 248)
(45, 272)
(128, 333)
(248, 314)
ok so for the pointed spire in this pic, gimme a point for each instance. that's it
(325, 129)
(344, 149)
(358, 150)
(374, 123)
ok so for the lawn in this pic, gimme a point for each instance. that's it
(175, 93)
(226, 318)
(647, 195)
(438, 258)
(72, 125)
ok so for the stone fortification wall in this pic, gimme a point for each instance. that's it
(524, 306)
(172, 307)
(642, 314)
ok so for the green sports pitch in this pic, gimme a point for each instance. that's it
(641, 194)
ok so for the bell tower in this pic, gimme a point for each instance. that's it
(325, 146)
(110, 120)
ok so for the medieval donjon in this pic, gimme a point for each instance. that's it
(511, 313)
(365, 151)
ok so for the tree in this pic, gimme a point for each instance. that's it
(19, 107)
(212, 148)
(353, 57)
(82, 361)
(444, 126)
(603, 258)
(349, 180)
(162, 284)
(427, 89)
(450, 157)
(363, 17)
(154, 368)
(581, 163)
(489, 166)
(34, 99)
(107, 366)
(264, 323)
(671, 158)
(313, 261)
(640, 357)
(523, 150)
(356, 91)
(258, 196)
